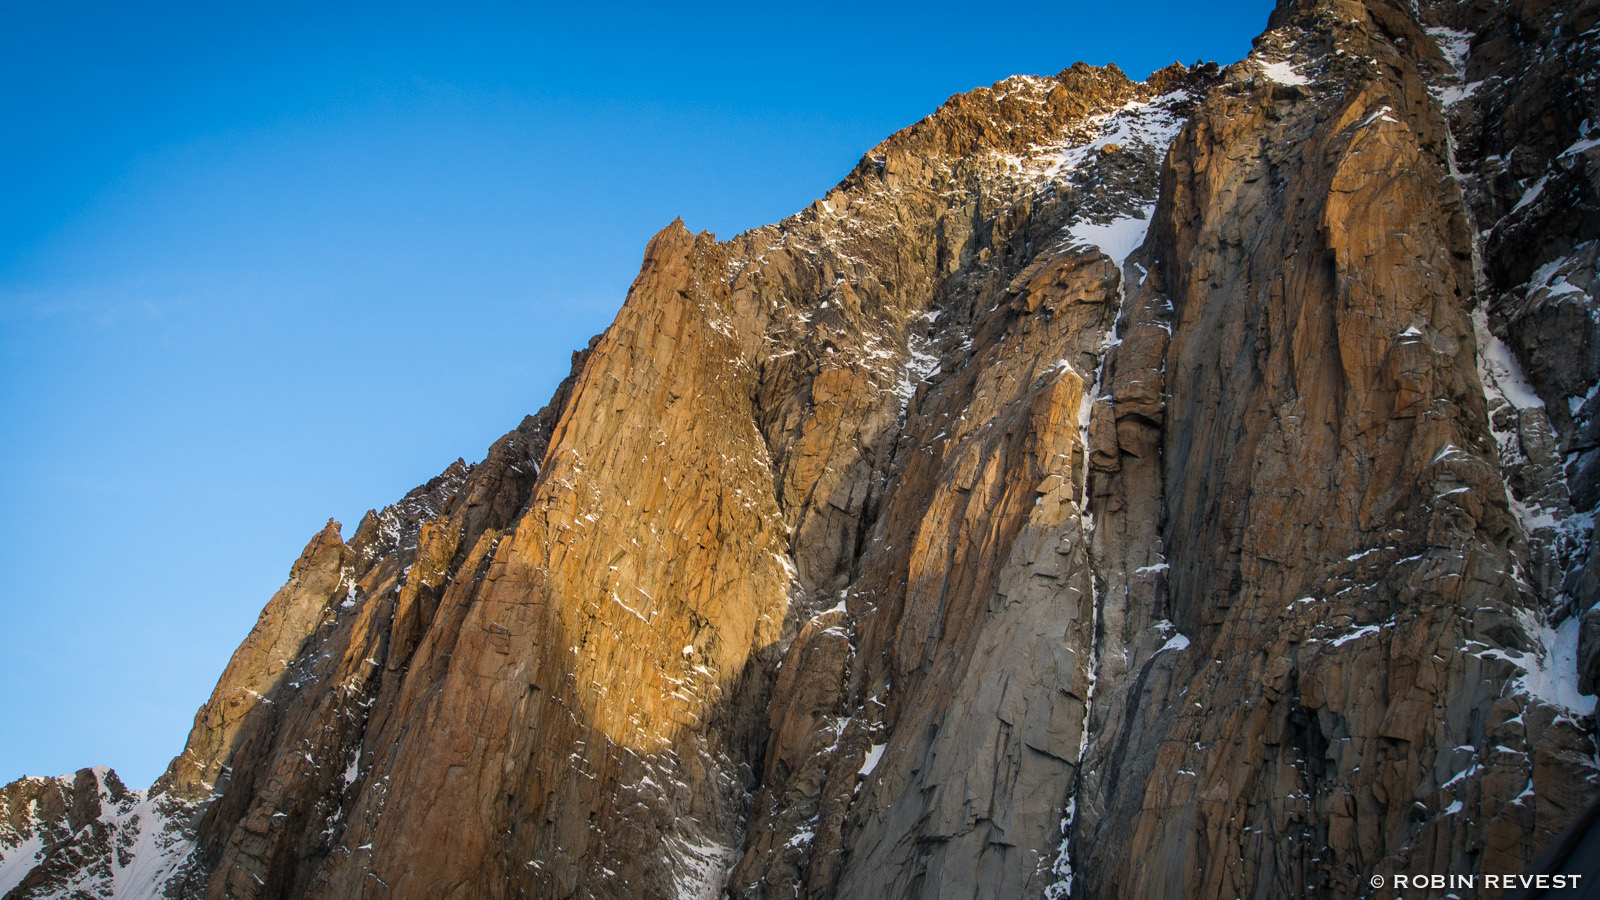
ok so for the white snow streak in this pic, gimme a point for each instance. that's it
(699, 869)
(873, 756)
(1176, 642)
(1116, 238)
(1530, 195)
(1283, 73)
(1359, 633)
(17, 861)
(1498, 366)
(1580, 146)
(1453, 44)
(145, 849)
(1150, 125)
(1549, 674)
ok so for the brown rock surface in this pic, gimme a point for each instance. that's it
(956, 537)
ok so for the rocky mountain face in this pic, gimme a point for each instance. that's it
(1110, 489)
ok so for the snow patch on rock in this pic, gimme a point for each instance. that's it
(874, 754)
(1284, 73)
(1116, 238)
(699, 869)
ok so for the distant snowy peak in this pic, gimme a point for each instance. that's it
(87, 835)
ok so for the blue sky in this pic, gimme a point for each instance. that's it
(263, 264)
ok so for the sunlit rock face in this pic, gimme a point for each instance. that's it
(1110, 489)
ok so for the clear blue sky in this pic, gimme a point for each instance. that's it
(262, 264)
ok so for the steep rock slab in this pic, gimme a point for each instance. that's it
(988, 468)
(992, 612)
(306, 753)
(267, 776)
(586, 702)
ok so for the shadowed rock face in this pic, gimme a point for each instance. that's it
(1342, 555)
(1110, 489)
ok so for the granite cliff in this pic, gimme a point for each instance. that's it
(1110, 489)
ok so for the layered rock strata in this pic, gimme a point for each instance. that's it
(1110, 489)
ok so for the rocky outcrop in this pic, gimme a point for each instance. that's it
(1110, 489)
(86, 835)
(322, 577)
(1349, 572)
